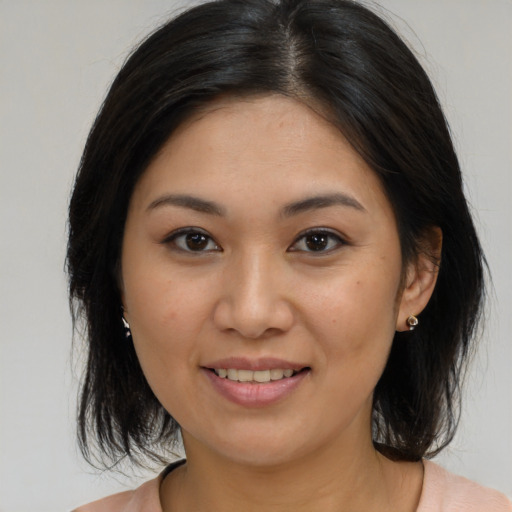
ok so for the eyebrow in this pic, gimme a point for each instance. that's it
(322, 201)
(186, 201)
(291, 209)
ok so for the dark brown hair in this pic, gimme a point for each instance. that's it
(333, 54)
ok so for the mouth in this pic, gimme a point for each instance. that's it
(256, 376)
(256, 384)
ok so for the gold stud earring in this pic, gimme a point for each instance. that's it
(412, 322)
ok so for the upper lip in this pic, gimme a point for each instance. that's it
(264, 363)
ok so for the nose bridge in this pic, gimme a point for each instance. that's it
(254, 300)
(255, 286)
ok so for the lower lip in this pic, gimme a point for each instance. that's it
(255, 394)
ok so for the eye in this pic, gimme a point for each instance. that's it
(317, 241)
(192, 240)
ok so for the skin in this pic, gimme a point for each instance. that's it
(256, 289)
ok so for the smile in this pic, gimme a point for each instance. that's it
(267, 383)
(257, 377)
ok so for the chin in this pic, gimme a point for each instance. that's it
(258, 456)
(258, 445)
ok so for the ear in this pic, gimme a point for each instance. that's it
(420, 277)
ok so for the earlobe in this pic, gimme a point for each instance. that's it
(420, 280)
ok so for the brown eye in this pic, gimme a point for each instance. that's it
(317, 241)
(196, 241)
(191, 240)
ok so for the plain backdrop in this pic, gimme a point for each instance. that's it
(56, 60)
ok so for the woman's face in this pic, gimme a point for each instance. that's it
(258, 244)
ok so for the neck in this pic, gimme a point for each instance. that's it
(332, 479)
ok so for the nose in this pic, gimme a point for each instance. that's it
(254, 299)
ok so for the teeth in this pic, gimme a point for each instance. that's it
(276, 374)
(262, 376)
(253, 376)
(245, 375)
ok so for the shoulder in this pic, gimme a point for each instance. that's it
(446, 492)
(114, 503)
(145, 498)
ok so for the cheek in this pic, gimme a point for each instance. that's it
(165, 327)
(160, 297)
(167, 315)
(355, 324)
(356, 305)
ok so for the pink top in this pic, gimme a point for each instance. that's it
(442, 492)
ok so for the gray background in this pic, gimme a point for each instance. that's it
(57, 58)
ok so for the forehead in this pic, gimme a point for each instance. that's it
(269, 146)
(255, 116)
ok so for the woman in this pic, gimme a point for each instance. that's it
(271, 249)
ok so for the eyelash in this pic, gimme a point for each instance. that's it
(320, 232)
(324, 234)
(174, 237)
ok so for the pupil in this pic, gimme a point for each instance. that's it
(196, 241)
(317, 242)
